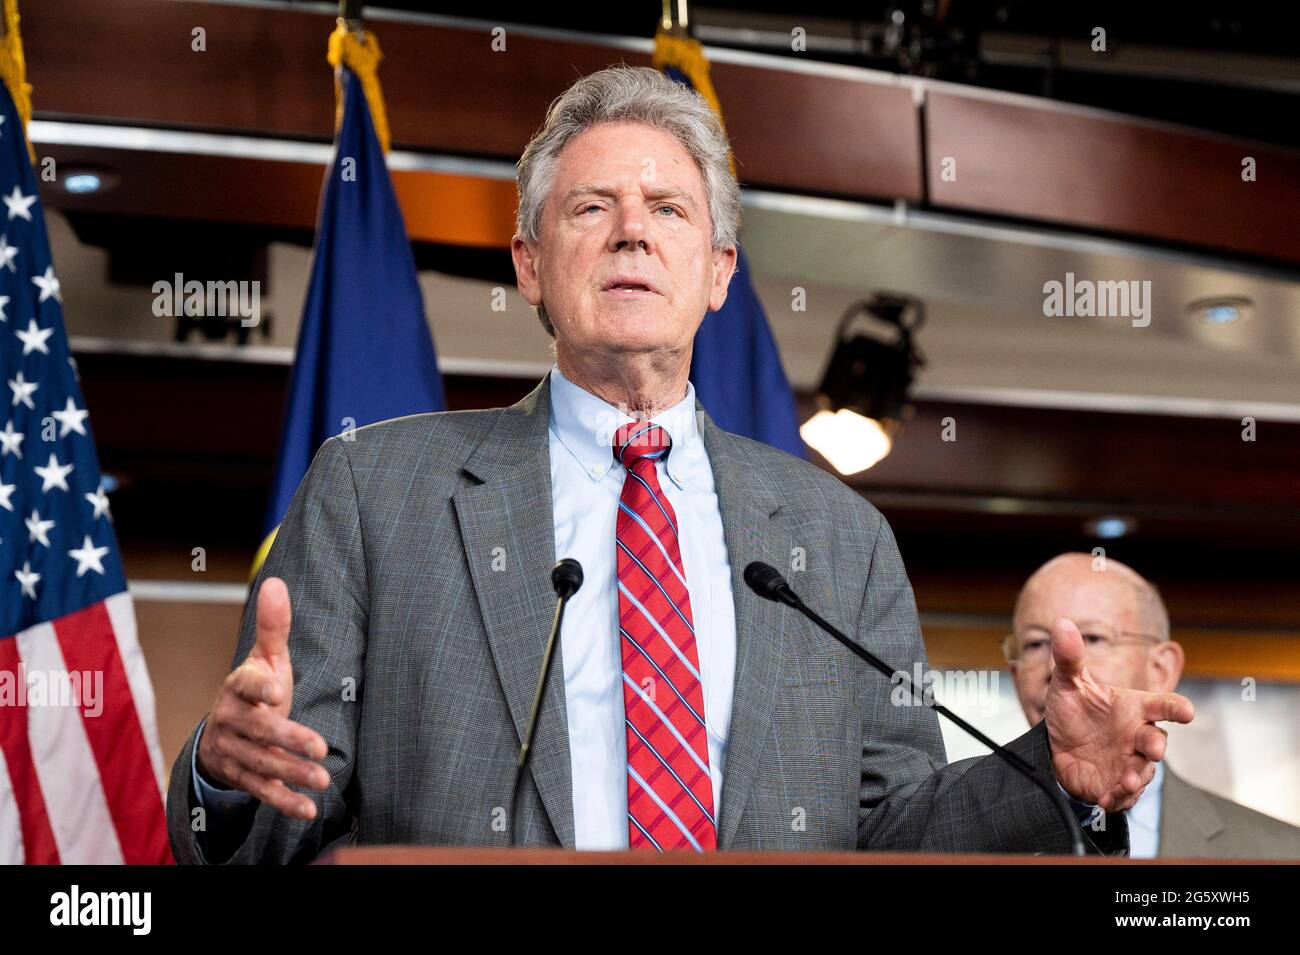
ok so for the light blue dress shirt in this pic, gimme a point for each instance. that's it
(1144, 819)
(586, 483)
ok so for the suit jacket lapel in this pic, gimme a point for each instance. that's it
(508, 530)
(755, 530)
(1188, 821)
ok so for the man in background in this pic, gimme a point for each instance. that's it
(1125, 629)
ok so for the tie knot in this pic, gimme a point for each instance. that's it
(639, 440)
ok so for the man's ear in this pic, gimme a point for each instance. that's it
(525, 258)
(724, 266)
(1165, 666)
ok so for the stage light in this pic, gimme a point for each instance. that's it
(863, 395)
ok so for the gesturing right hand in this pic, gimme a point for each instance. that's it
(249, 742)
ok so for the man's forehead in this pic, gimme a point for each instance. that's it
(1086, 595)
(649, 188)
(627, 152)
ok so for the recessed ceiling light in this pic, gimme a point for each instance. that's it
(1109, 527)
(88, 180)
(1220, 310)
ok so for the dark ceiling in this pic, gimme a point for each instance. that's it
(1158, 66)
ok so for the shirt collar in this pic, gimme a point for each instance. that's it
(585, 425)
(1146, 811)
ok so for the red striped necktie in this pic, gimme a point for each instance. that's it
(669, 789)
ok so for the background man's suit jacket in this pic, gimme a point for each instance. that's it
(418, 556)
(1196, 824)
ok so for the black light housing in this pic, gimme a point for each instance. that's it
(863, 396)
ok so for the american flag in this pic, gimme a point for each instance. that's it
(80, 766)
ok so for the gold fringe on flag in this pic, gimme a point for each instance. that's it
(686, 55)
(260, 557)
(13, 70)
(362, 56)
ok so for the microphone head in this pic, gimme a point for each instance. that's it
(766, 581)
(566, 578)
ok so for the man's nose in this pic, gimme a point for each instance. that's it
(630, 227)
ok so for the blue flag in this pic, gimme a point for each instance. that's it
(737, 371)
(364, 349)
(735, 367)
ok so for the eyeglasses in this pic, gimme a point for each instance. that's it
(1033, 647)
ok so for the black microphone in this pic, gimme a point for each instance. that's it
(566, 578)
(766, 581)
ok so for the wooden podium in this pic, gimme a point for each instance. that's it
(470, 855)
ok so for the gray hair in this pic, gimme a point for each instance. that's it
(630, 94)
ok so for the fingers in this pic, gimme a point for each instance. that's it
(1170, 707)
(271, 762)
(275, 793)
(267, 728)
(253, 682)
(273, 619)
(1067, 648)
(1136, 777)
(1151, 741)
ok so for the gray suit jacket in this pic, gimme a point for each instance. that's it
(1197, 824)
(417, 556)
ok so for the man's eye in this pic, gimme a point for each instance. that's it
(586, 209)
(669, 208)
(1032, 645)
(1094, 638)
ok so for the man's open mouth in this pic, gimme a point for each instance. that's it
(629, 286)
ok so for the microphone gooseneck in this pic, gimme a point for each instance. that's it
(766, 581)
(566, 578)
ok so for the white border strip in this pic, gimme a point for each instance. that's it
(1176, 406)
(187, 591)
(281, 355)
(902, 215)
(44, 132)
(899, 214)
(534, 370)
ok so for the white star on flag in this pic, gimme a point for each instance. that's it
(11, 441)
(28, 579)
(48, 284)
(34, 338)
(6, 491)
(54, 474)
(19, 205)
(99, 500)
(37, 528)
(23, 390)
(7, 253)
(70, 419)
(4, 300)
(88, 557)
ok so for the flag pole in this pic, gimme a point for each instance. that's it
(350, 14)
(675, 20)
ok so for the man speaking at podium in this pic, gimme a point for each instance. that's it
(387, 665)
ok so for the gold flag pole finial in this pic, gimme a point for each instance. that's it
(351, 45)
(13, 69)
(676, 49)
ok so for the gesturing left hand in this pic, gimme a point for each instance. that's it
(1105, 744)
